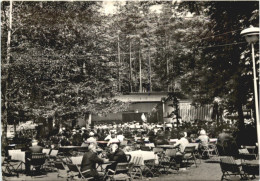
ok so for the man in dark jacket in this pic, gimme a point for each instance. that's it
(35, 148)
(116, 155)
(88, 164)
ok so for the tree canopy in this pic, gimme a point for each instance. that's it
(70, 58)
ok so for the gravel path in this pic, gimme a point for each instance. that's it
(207, 170)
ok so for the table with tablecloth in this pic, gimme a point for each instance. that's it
(17, 155)
(145, 155)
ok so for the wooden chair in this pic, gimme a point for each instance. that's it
(128, 157)
(46, 151)
(151, 167)
(37, 161)
(7, 168)
(136, 170)
(48, 164)
(122, 172)
(245, 155)
(158, 151)
(189, 154)
(75, 171)
(169, 160)
(207, 150)
(60, 166)
(229, 167)
(249, 169)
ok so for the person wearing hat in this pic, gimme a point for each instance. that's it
(91, 139)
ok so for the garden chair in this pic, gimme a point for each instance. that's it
(250, 169)
(37, 161)
(229, 167)
(151, 168)
(169, 159)
(136, 170)
(128, 158)
(158, 151)
(122, 172)
(74, 170)
(245, 155)
(47, 151)
(207, 151)
(189, 155)
(60, 166)
(7, 168)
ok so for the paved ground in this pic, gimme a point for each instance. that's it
(207, 170)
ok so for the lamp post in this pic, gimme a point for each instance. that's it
(251, 35)
(163, 101)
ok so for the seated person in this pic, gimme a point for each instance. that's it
(146, 140)
(35, 148)
(88, 164)
(108, 137)
(203, 139)
(92, 139)
(181, 143)
(120, 136)
(116, 155)
(113, 140)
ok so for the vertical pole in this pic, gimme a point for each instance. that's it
(167, 63)
(256, 98)
(140, 71)
(150, 79)
(163, 115)
(119, 62)
(130, 68)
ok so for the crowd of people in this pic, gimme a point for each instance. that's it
(158, 134)
(133, 133)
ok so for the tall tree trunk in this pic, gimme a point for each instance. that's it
(119, 63)
(130, 64)
(6, 110)
(140, 70)
(150, 79)
(167, 62)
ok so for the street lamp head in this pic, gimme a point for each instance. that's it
(251, 34)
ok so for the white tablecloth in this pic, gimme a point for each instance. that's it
(18, 156)
(213, 140)
(194, 144)
(146, 155)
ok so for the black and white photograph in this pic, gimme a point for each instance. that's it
(129, 90)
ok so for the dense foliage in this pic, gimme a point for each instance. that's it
(68, 56)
